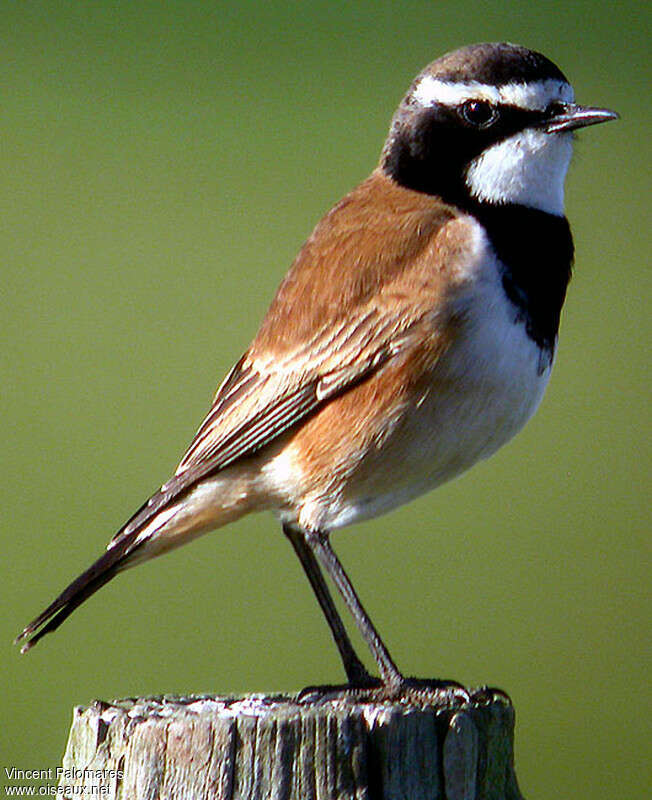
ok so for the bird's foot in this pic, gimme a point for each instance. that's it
(409, 691)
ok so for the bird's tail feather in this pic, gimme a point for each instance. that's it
(123, 550)
(99, 573)
(139, 539)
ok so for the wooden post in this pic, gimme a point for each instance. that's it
(321, 745)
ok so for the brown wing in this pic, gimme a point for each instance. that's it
(261, 400)
(358, 293)
(345, 307)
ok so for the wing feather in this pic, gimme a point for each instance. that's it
(357, 295)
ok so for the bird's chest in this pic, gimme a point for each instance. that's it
(478, 394)
(481, 392)
(492, 378)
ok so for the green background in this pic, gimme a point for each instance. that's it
(161, 164)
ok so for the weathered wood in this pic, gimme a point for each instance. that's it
(336, 745)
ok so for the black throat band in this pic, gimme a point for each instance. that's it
(535, 250)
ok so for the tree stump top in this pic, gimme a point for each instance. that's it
(320, 745)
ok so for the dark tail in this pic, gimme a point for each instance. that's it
(123, 545)
(72, 596)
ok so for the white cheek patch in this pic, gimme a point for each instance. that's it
(532, 96)
(529, 168)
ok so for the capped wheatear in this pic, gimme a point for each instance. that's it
(413, 335)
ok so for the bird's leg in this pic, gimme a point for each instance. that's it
(321, 547)
(356, 672)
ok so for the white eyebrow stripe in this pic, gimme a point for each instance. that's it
(534, 96)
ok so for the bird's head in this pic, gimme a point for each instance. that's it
(489, 122)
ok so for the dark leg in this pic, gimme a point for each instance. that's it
(356, 672)
(320, 546)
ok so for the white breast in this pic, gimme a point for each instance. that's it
(500, 373)
(486, 387)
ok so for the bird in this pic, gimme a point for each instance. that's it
(413, 336)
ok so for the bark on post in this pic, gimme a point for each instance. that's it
(440, 745)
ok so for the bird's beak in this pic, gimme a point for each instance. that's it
(570, 117)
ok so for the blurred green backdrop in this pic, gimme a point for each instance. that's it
(161, 165)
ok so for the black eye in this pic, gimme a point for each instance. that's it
(478, 113)
(555, 109)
